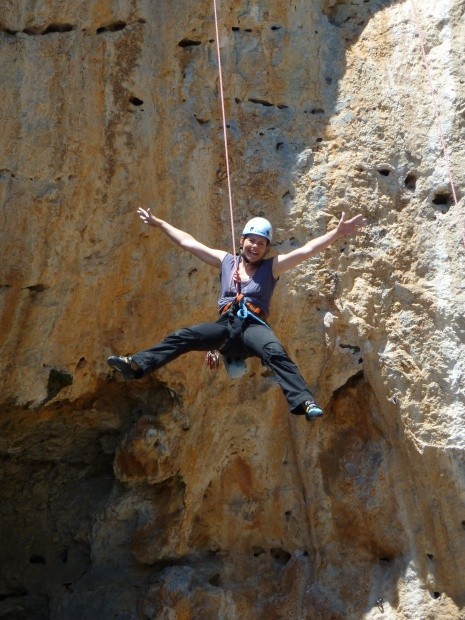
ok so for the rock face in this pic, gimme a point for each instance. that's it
(186, 494)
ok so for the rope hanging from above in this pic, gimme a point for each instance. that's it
(225, 135)
(442, 138)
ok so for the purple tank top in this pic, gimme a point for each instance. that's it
(258, 290)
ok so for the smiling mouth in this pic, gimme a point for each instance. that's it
(251, 257)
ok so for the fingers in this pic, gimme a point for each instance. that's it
(357, 221)
(360, 221)
(145, 216)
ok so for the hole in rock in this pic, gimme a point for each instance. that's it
(82, 362)
(248, 30)
(275, 27)
(436, 595)
(188, 43)
(319, 139)
(287, 514)
(33, 30)
(281, 556)
(385, 560)
(317, 111)
(37, 559)
(136, 101)
(215, 580)
(258, 551)
(282, 106)
(411, 182)
(37, 288)
(384, 172)
(57, 381)
(235, 29)
(351, 347)
(430, 556)
(14, 592)
(279, 146)
(114, 27)
(443, 199)
(58, 28)
(261, 102)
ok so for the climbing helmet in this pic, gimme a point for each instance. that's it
(259, 226)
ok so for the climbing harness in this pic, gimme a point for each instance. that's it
(242, 309)
(434, 97)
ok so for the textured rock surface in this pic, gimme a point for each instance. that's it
(187, 495)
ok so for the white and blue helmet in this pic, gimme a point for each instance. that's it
(259, 226)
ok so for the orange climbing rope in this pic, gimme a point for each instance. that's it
(225, 135)
(434, 97)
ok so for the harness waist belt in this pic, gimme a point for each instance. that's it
(255, 309)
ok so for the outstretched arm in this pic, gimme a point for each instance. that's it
(184, 240)
(284, 262)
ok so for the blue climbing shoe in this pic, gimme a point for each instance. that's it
(123, 365)
(312, 411)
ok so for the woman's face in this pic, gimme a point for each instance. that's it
(254, 247)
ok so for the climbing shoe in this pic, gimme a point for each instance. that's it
(124, 366)
(312, 411)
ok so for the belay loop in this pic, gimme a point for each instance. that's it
(243, 311)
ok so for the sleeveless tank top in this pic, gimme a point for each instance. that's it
(258, 290)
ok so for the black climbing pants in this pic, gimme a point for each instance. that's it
(235, 338)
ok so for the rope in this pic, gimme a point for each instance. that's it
(225, 137)
(434, 98)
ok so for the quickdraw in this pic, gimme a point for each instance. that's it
(212, 359)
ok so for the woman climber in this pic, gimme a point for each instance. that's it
(247, 284)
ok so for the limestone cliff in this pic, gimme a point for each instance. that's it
(188, 495)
